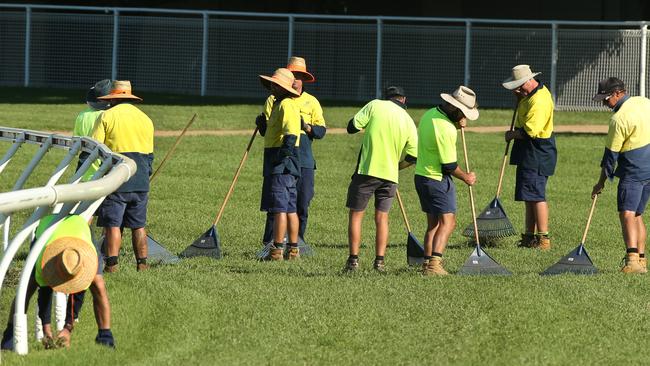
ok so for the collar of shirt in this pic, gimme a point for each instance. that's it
(398, 103)
(444, 114)
(620, 102)
(539, 86)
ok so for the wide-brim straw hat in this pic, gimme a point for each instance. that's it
(464, 99)
(520, 75)
(69, 264)
(120, 89)
(297, 65)
(281, 77)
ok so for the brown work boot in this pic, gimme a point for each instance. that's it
(292, 254)
(379, 266)
(632, 264)
(351, 265)
(275, 254)
(111, 269)
(142, 267)
(527, 241)
(433, 267)
(543, 242)
(644, 264)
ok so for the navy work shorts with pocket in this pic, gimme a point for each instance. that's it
(436, 197)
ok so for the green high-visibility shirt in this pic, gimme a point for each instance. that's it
(437, 137)
(389, 133)
(73, 225)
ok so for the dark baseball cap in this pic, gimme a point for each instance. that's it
(394, 91)
(607, 87)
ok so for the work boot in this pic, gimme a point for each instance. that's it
(379, 266)
(433, 267)
(543, 242)
(632, 264)
(111, 269)
(644, 264)
(527, 241)
(275, 254)
(292, 254)
(141, 264)
(351, 265)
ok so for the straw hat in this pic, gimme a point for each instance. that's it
(298, 65)
(69, 264)
(464, 99)
(520, 75)
(281, 77)
(120, 89)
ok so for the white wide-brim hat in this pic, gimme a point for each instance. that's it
(464, 99)
(520, 75)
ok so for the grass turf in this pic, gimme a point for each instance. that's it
(240, 311)
(55, 110)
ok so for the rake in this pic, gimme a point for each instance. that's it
(493, 223)
(156, 251)
(577, 261)
(479, 262)
(414, 250)
(209, 244)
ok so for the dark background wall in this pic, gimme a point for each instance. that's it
(614, 10)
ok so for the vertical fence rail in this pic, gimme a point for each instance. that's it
(204, 54)
(378, 74)
(291, 24)
(28, 43)
(468, 52)
(116, 37)
(554, 56)
(643, 61)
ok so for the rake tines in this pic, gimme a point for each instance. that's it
(492, 223)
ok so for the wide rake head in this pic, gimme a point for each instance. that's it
(207, 245)
(577, 262)
(414, 251)
(158, 254)
(492, 223)
(480, 263)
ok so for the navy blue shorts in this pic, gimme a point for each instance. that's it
(279, 193)
(633, 196)
(363, 187)
(436, 197)
(530, 186)
(123, 209)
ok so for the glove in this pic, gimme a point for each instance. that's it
(260, 120)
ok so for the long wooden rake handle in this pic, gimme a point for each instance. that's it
(591, 212)
(505, 155)
(234, 180)
(401, 208)
(471, 193)
(171, 151)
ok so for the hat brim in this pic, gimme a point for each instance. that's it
(306, 77)
(512, 84)
(55, 279)
(599, 97)
(119, 96)
(268, 80)
(470, 113)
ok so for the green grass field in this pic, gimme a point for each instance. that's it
(238, 311)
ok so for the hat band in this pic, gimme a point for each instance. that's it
(120, 91)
